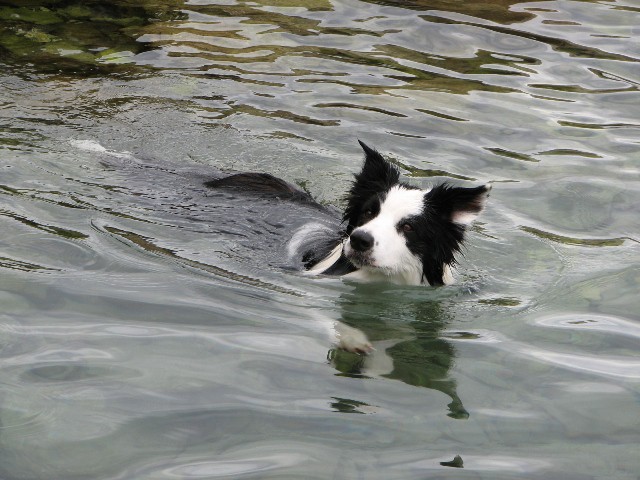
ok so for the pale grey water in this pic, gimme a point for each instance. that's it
(139, 341)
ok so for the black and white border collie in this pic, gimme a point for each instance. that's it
(394, 231)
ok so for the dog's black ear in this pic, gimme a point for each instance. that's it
(376, 170)
(458, 205)
(377, 176)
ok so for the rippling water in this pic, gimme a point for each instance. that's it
(141, 336)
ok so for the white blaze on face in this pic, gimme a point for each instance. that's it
(390, 251)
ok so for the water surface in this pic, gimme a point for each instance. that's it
(139, 338)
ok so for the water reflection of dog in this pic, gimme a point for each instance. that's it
(407, 339)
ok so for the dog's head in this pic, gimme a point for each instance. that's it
(402, 232)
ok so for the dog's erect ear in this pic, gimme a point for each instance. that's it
(376, 170)
(377, 176)
(457, 207)
(458, 204)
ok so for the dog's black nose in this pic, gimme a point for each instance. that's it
(361, 241)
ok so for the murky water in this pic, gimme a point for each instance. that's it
(143, 336)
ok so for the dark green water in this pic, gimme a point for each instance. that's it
(136, 342)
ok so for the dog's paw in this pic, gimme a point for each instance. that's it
(352, 340)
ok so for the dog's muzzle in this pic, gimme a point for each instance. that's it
(361, 241)
(359, 248)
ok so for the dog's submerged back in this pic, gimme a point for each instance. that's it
(248, 216)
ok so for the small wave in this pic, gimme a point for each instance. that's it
(585, 242)
(96, 147)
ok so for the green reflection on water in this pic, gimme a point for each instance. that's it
(495, 10)
(409, 335)
(72, 35)
(63, 232)
(587, 242)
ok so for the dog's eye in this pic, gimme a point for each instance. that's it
(407, 227)
(367, 213)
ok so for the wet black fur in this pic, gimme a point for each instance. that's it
(435, 238)
(372, 183)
